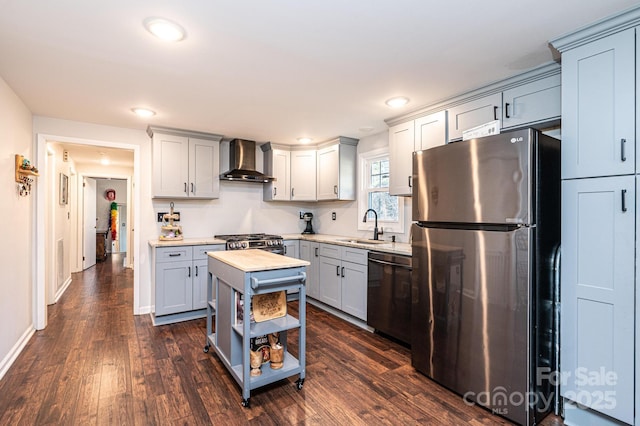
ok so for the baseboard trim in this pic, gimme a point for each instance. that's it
(62, 289)
(342, 315)
(16, 350)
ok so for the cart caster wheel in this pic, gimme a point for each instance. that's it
(245, 403)
(206, 349)
(299, 383)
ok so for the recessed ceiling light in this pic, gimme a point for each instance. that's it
(143, 112)
(164, 29)
(104, 160)
(304, 140)
(397, 102)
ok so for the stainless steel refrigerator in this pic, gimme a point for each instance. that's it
(487, 215)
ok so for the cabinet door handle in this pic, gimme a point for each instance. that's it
(196, 270)
(192, 191)
(338, 271)
(623, 155)
(185, 187)
(174, 254)
(495, 112)
(335, 189)
(291, 192)
(316, 250)
(623, 193)
(285, 249)
(275, 191)
(409, 178)
(342, 274)
(506, 110)
(189, 271)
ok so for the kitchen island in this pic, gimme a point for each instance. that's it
(235, 278)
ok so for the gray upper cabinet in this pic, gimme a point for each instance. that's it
(401, 143)
(326, 171)
(473, 113)
(277, 163)
(303, 175)
(185, 164)
(430, 131)
(337, 170)
(405, 138)
(598, 129)
(538, 101)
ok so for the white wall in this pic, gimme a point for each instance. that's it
(58, 224)
(16, 252)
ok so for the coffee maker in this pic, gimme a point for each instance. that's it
(307, 218)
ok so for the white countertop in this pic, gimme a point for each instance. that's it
(186, 242)
(253, 260)
(386, 247)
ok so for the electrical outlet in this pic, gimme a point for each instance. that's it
(176, 216)
(333, 215)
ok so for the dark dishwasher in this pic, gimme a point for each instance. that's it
(389, 295)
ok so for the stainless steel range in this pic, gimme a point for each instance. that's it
(272, 243)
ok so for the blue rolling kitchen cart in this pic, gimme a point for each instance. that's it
(246, 273)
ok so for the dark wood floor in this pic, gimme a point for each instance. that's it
(97, 363)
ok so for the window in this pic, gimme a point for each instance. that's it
(374, 194)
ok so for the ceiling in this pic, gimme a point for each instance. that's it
(272, 70)
(92, 156)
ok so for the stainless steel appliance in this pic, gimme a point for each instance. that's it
(389, 295)
(272, 243)
(242, 163)
(488, 224)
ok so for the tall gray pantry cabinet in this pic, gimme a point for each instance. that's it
(598, 342)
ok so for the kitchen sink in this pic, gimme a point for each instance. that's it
(361, 241)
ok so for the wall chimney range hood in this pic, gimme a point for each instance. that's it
(242, 163)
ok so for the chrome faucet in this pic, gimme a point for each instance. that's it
(375, 225)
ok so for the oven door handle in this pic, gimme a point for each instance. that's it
(397, 265)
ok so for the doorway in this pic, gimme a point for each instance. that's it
(43, 251)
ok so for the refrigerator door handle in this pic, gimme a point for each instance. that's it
(623, 193)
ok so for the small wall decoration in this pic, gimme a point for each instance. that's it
(114, 221)
(110, 194)
(64, 189)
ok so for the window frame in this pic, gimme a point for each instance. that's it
(365, 159)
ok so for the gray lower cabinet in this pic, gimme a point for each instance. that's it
(292, 248)
(342, 273)
(174, 288)
(181, 278)
(598, 294)
(309, 251)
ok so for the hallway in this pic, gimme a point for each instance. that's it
(97, 363)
